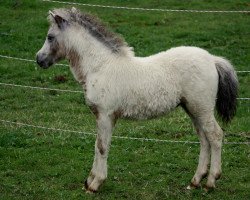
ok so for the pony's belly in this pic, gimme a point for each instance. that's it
(146, 111)
(142, 116)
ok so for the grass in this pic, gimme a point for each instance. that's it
(42, 164)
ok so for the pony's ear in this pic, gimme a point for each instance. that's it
(73, 9)
(52, 14)
(61, 23)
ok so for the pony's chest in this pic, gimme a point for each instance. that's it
(97, 91)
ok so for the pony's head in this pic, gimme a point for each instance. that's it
(53, 49)
(63, 37)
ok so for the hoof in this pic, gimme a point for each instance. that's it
(208, 188)
(91, 191)
(85, 185)
(192, 186)
(88, 189)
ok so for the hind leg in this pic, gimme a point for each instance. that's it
(214, 136)
(204, 158)
(210, 135)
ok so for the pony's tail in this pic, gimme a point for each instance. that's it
(226, 103)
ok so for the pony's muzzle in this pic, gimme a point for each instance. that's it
(42, 61)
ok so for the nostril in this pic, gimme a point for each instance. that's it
(38, 60)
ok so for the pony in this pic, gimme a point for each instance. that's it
(117, 84)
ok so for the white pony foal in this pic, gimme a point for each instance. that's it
(118, 84)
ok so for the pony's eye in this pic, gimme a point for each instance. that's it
(50, 38)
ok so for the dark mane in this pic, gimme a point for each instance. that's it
(97, 30)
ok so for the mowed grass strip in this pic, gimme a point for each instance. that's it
(45, 164)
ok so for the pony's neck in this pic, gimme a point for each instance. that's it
(87, 55)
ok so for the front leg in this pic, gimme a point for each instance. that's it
(98, 173)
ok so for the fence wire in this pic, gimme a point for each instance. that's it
(33, 61)
(114, 136)
(148, 9)
(41, 88)
(63, 90)
(24, 59)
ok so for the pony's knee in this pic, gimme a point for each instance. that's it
(211, 127)
(215, 141)
(203, 140)
(100, 146)
(208, 126)
(213, 133)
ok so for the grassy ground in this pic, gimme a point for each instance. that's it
(41, 164)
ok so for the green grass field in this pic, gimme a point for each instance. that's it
(37, 163)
